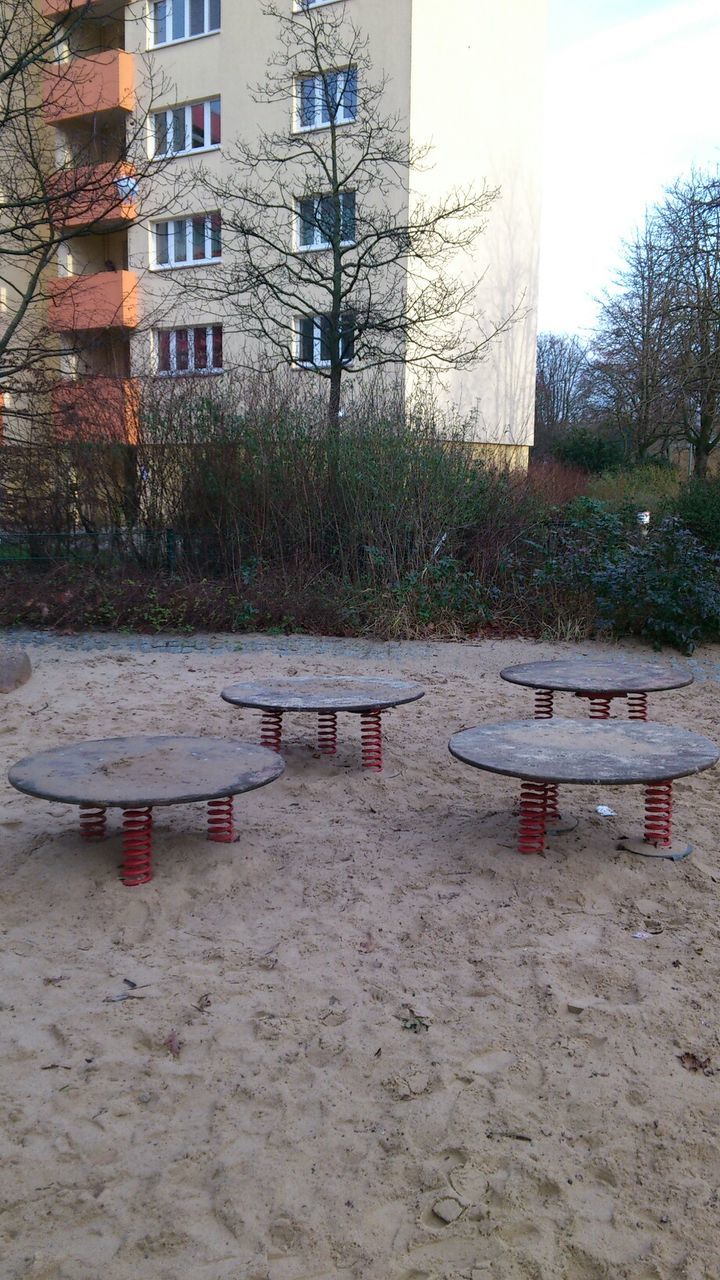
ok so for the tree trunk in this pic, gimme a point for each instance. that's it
(129, 480)
(700, 464)
(334, 398)
(333, 429)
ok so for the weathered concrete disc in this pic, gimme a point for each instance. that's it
(598, 675)
(323, 693)
(585, 751)
(130, 773)
(15, 668)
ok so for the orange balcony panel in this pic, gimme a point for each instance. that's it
(99, 82)
(101, 194)
(97, 409)
(106, 300)
(58, 8)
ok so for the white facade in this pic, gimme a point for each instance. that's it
(463, 78)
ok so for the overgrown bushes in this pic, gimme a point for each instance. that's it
(698, 507)
(665, 589)
(592, 452)
(253, 514)
(650, 486)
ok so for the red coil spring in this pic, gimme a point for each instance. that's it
(221, 828)
(553, 800)
(93, 822)
(327, 732)
(637, 706)
(137, 847)
(599, 706)
(371, 733)
(543, 704)
(533, 817)
(271, 730)
(658, 813)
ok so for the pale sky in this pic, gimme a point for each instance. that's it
(632, 102)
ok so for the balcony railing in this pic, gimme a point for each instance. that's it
(101, 194)
(83, 86)
(105, 300)
(98, 409)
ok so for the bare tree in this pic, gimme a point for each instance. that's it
(561, 385)
(634, 349)
(329, 266)
(690, 219)
(53, 194)
(657, 351)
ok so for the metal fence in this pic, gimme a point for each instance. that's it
(109, 548)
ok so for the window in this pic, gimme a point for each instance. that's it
(314, 341)
(184, 242)
(183, 19)
(182, 130)
(329, 97)
(316, 220)
(195, 350)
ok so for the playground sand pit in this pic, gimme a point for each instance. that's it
(369, 1041)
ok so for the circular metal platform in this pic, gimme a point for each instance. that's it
(611, 676)
(130, 773)
(323, 693)
(576, 751)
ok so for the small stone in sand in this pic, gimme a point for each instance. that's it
(448, 1209)
(15, 669)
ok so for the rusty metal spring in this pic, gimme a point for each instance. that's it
(371, 734)
(221, 828)
(553, 800)
(533, 816)
(599, 706)
(658, 813)
(93, 822)
(543, 704)
(637, 706)
(137, 847)
(271, 730)
(327, 732)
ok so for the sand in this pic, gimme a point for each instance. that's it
(369, 1041)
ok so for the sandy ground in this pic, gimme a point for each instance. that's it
(537, 1123)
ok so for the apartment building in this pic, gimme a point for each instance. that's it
(463, 78)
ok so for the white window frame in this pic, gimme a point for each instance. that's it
(311, 4)
(172, 224)
(173, 371)
(170, 7)
(187, 108)
(318, 80)
(317, 361)
(318, 243)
